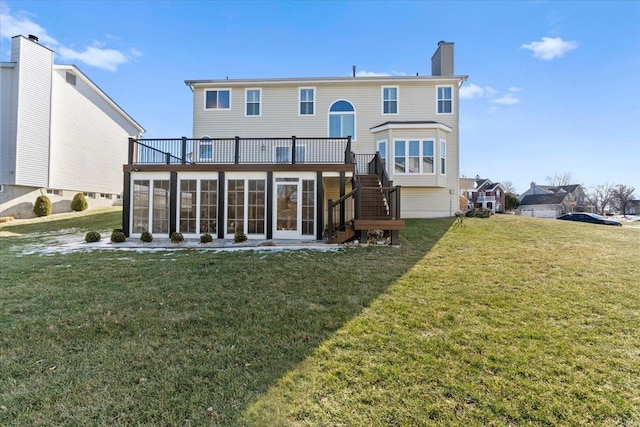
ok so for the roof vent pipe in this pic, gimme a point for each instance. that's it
(353, 70)
(33, 38)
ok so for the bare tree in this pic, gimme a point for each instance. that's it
(622, 195)
(601, 197)
(560, 179)
(508, 187)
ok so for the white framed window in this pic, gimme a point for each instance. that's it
(282, 153)
(254, 101)
(90, 194)
(205, 149)
(342, 120)
(413, 156)
(105, 196)
(428, 161)
(217, 99)
(444, 96)
(1, 188)
(390, 100)
(382, 149)
(246, 205)
(150, 200)
(306, 98)
(54, 192)
(443, 157)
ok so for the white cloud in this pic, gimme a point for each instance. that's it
(550, 48)
(507, 99)
(490, 91)
(474, 91)
(371, 74)
(19, 23)
(105, 59)
(515, 89)
(471, 91)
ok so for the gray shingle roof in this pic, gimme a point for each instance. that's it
(543, 199)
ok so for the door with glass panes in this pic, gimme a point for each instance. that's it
(294, 208)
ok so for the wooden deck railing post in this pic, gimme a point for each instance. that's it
(184, 150)
(347, 151)
(293, 150)
(131, 149)
(237, 154)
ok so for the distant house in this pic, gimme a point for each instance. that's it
(545, 201)
(482, 193)
(60, 134)
(303, 158)
(634, 207)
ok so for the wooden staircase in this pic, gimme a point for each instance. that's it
(373, 204)
(374, 213)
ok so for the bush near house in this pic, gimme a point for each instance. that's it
(177, 237)
(118, 236)
(146, 237)
(79, 203)
(206, 238)
(239, 237)
(42, 206)
(480, 213)
(92, 236)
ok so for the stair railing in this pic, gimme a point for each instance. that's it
(347, 203)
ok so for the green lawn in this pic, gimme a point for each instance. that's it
(506, 320)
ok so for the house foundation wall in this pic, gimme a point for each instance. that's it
(17, 201)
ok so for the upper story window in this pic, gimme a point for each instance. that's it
(217, 99)
(342, 120)
(445, 99)
(443, 157)
(307, 101)
(390, 100)
(382, 149)
(205, 149)
(253, 97)
(413, 156)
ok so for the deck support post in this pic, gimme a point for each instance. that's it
(126, 203)
(319, 206)
(173, 202)
(221, 203)
(269, 213)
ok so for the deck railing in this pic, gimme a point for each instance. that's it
(238, 150)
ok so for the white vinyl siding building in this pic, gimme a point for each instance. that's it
(60, 133)
(420, 111)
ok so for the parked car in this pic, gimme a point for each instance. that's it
(590, 218)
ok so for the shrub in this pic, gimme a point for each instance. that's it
(118, 237)
(177, 237)
(42, 206)
(239, 237)
(206, 238)
(146, 237)
(79, 203)
(92, 236)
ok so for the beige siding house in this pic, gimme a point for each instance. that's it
(317, 140)
(61, 134)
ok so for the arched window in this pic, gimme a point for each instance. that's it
(342, 120)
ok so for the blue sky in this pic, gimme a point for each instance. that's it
(554, 87)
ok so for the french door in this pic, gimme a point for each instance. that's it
(294, 208)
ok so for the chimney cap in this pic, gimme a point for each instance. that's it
(32, 37)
